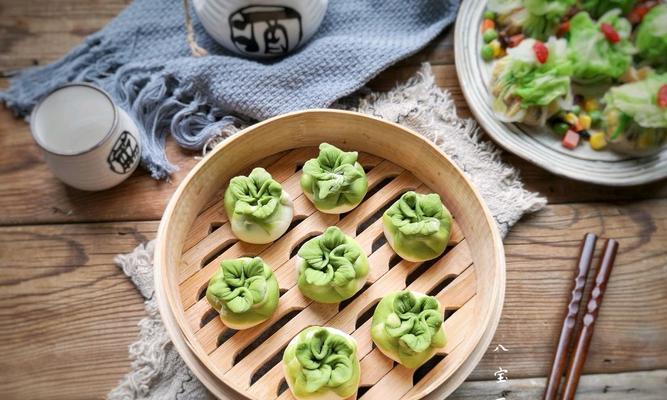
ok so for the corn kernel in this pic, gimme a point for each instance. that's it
(571, 119)
(497, 48)
(597, 140)
(591, 105)
(585, 121)
(645, 141)
(644, 72)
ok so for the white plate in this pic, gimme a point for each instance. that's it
(539, 145)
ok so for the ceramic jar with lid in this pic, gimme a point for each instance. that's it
(261, 29)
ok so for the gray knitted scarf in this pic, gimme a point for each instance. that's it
(143, 60)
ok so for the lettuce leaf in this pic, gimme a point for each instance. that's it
(544, 16)
(651, 37)
(638, 100)
(593, 57)
(634, 123)
(503, 6)
(538, 19)
(597, 8)
(524, 90)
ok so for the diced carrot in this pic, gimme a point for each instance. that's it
(570, 140)
(488, 24)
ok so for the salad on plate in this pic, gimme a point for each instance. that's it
(592, 71)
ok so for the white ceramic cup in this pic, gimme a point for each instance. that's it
(88, 142)
(261, 28)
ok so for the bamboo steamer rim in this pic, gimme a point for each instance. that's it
(185, 342)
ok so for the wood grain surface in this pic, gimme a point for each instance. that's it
(641, 385)
(67, 314)
(73, 290)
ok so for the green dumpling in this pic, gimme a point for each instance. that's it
(259, 210)
(322, 363)
(417, 226)
(331, 267)
(407, 327)
(334, 182)
(244, 291)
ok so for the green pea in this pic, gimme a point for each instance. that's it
(561, 128)
(487, 52)
(489, 35)
(488, 14)
(596, 116)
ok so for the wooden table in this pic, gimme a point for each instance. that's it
(67, 314)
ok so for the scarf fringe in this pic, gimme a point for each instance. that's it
(161, 106)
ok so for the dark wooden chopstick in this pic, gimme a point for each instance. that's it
(573, 310)
(586, 334)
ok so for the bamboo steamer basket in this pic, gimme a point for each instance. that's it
(469, 279)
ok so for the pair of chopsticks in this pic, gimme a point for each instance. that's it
(583, 341)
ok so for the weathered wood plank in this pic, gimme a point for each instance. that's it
(67, 314)
(59, 282)
(65, 273)
(39, 31)
(541, 253)
(644, 385)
